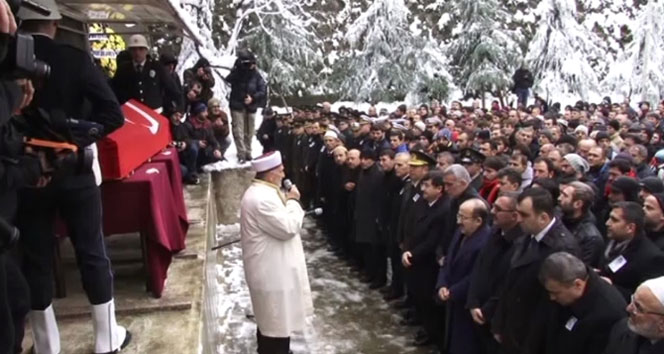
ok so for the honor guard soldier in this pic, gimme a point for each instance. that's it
(77, 89)
(146, 80)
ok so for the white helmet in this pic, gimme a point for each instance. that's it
(137, 41)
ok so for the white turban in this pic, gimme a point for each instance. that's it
(656, 285)
(331, 134)
(266, 162)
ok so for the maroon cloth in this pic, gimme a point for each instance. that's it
(145, 202)
(172, 161)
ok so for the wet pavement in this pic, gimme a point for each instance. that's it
(349, 318)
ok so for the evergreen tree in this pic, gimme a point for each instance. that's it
(483, 53)
(562, 52)
(639, 70)
(385, 60)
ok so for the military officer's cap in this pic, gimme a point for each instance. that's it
(471, 156)
(420, 158)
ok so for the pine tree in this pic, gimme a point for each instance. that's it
(639, 70)
(483, 53)
(385, 61)
(562, 52)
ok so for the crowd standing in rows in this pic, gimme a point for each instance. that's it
(537, 229)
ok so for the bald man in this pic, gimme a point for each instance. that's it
(643, 331)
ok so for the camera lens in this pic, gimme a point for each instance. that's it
(41, 69)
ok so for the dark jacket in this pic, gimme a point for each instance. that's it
(246, 83)
(657, 237)
(584, 327)
(197, 131)
(455, 275)
(524, 303)
(314, 147)
(523, 79)
(589, 238)
(368, 202)
(16, 168)
(411, 202)
(153, 86)
(623, 341)
(77, 88)
(642, 261)
(191, 74)
(492, 265)
(265, 133)
(428, 225)
(396, 199)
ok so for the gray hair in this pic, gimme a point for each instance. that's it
(459, 172)
(584, 193)
(563, 268)
(447, 156)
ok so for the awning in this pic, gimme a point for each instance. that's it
(126, 16)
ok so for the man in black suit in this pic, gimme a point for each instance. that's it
(419, 256)
(643, 331)
(457, 186)
(519, 320)
(630, 257)
(575, 200)
(586, 310)
(653, 207)
(492, 265)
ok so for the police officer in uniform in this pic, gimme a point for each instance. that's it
(472, 160)
(77, 89)
(146, 80)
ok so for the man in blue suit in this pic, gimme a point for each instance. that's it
(454, 276)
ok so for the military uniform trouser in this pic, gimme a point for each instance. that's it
(80, 209)
(243, 132)
(14, 305)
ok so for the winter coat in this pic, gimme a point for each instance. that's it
(246, 83)
(486, 282)
(191, 74)
(589, 238)
(455, 275)
(657, 237)
(266, 133)
(274, 263)
(584, 327)
(368, 202)
(524, 303)
(523, 79)
(623, 341)
(639, 261)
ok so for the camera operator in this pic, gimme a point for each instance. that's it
(75, 89)
(17, 170)
(248, 93)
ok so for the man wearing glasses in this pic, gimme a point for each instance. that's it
(643, 331)
(492, 265)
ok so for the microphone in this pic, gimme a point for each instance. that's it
(287, 184)
(315, 211)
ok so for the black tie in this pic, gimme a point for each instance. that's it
(139, 68)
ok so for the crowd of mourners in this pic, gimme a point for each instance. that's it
(537, 229)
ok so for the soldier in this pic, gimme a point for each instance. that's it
(74, 83)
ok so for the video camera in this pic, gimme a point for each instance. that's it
(8, 235)
(59, 137)
(17, 53)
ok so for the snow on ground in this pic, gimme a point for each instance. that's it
(349, 318)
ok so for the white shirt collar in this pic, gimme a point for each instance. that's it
(540, 235)
(141, 63)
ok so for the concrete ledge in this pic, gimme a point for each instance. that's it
(171, 324)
